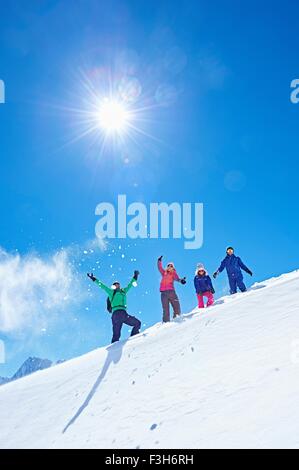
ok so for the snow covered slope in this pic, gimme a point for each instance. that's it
(227, 377)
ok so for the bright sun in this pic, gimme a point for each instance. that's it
(113, 117)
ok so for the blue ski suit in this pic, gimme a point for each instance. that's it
(233, 265)
(203, 284)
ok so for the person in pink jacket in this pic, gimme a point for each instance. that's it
(168, 293)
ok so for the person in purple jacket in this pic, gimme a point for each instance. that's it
(203, 286)
(233, 265)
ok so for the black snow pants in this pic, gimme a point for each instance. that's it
(170, 297)
(120, 317)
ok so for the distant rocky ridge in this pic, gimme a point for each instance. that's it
(32, 364)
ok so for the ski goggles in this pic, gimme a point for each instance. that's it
(170, 265)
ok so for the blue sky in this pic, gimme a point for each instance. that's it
(215, 82)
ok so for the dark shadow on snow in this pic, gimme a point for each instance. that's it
(259, 286)
(218, 302)
(187, 316)
(114, 353)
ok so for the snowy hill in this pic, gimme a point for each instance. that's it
(227, 377)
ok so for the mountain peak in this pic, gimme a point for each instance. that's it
(30, 365)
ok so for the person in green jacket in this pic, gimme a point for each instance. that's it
(118, 300)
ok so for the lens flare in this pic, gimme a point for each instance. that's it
(115, 113)
(113, 116)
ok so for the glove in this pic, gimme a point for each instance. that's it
(250, 272)
(183, 280)
(136, 274)
(160, 259)
(91, 276)
(215, 274)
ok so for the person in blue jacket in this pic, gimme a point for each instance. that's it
(203, 286)
(233, 265)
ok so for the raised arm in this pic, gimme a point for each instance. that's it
(134, 279)
(126, 289)
(103, 286)
(100, 284)
(160, 267)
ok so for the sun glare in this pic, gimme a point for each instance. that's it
(113, 113)
(113, 117)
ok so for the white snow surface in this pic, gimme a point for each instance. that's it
(225, 377)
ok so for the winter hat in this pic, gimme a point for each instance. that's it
(114, 285)
(200, 266)
(170, 262)
(134, 284)
(230, 248)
